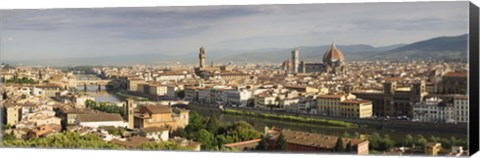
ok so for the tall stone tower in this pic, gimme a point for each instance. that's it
(129, 109)
(295, 61)
(202, 57)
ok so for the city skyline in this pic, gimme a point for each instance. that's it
(65, 33)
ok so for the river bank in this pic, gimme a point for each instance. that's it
(260, 123)
(290, 118)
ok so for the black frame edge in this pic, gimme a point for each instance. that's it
(473, 134)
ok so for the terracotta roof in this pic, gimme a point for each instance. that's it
(314, 139)
(132, 142)
(100, 117)
(154, 129)
(333, 54)
(330, 96)
(158, 109)
(242, 144)
(456, 74)
(356, 101)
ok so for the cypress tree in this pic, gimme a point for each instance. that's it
(263, 144)
(281, 143)
(349, 147)
(339, 146)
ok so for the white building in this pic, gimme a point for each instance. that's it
(80, 100)
(155, 133)
(172, 91)
(265, 99)
(170, 77)
(434, 110)
(460, 104)
(204, 95)
(100, 119)
(237, 97)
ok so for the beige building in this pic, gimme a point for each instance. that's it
(158, 90)
(356, 108)
(132, 84)
(162, 116)
(13, 114)
(344, 105)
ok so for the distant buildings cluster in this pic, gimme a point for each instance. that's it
(425, 91)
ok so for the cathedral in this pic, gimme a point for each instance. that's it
(333, 63)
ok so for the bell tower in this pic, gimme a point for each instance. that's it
(129, 109)
(202, 57)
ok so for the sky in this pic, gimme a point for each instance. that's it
(71, 33)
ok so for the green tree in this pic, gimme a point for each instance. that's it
(206, 138)
(213, 124)
(281, 143)
(263, 144)
(356, 135)
(339, 145)
(374, 141)
(386, 143)
(349, 147)
(420, 140)
(180, 94)
(346, 134)
(434, 139)
(242, 131)
(222, 140)
(453, 141)
(180, 132)
(408, 141)
(196, 123)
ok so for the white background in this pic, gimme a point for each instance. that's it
(74, 153)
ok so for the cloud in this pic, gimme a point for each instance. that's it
(179, 30)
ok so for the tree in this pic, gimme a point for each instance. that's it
(434, 139)
(346, 134)
(349, 147)
(386, 143)
(374, 141)
(206, 138)
(408, 140)
(180, 132)
(420, 140)
(453, 141)
(263, 144)
(213, 124)
(281, 143)
(242, 131)
(356, 135)
(339, 145)
(180, 94)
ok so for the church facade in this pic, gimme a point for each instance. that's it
(333, 63)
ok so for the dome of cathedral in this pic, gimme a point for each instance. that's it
(333, 55)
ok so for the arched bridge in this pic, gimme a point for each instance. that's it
(96, 82)
(99, 83)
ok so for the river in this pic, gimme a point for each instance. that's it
(92, 90)
(260, 123)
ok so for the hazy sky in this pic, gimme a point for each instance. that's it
(63, 33)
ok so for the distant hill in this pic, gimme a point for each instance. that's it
(436, 48)
(439, 48)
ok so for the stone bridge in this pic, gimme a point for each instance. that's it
(99, 83)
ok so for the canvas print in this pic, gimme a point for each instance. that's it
(359, 78)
